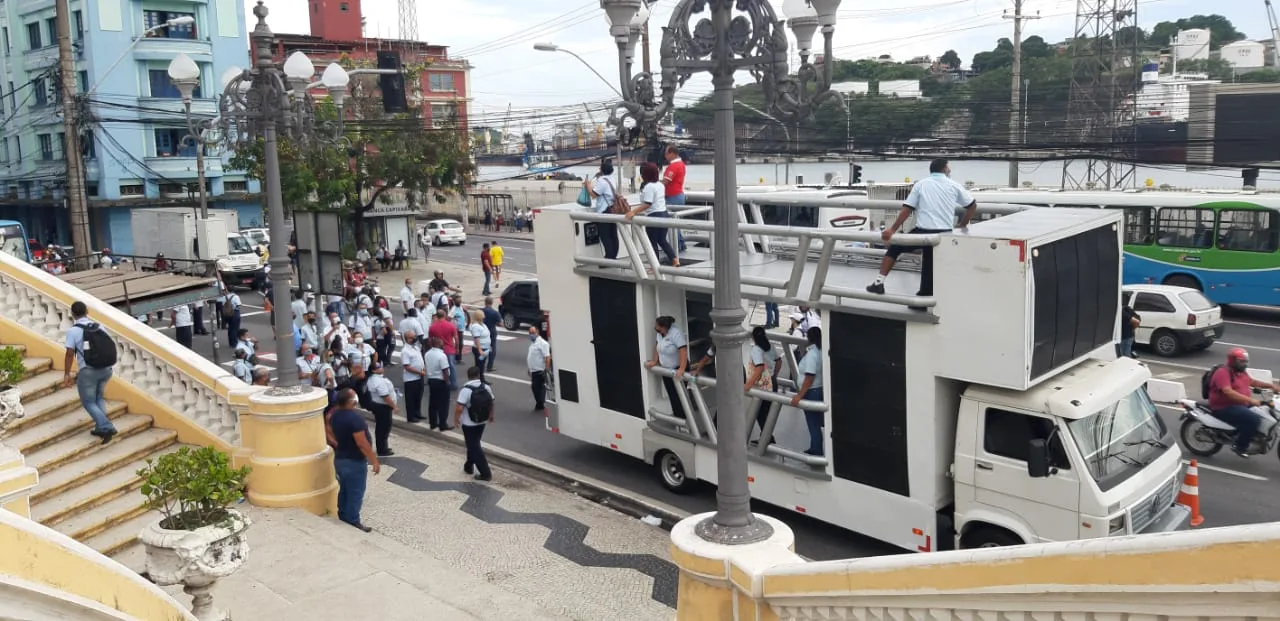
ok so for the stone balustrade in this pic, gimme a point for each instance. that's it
(1220, 573)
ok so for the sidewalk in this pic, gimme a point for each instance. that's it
(450, 549)
(468, 277)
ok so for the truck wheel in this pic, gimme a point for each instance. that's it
(1165, 343)
(1182, 280)
(509, 321)
(989, 537)
(1197, 439)
(671, 473)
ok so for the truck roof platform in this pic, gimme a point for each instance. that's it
(139, 292)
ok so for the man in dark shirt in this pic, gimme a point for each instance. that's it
(352, 453)
(491, 320)
(1129, 321)
(440, 284)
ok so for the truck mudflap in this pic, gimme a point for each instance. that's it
(1176, 517)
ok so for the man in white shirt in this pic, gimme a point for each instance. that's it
(241, 368)
(310, 330)
(362, 323)
(231, 321)
(437, 374)
(363, 257)
(414, 372)
(299, 308)
(245, 341)
(539, 362)
(309, 365)
(480, 340)
(336, 329)
(406, 295)
(934, 201)
(180, 320)
(382, 402)
(466, 414)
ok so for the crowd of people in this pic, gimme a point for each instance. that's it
(518, 221)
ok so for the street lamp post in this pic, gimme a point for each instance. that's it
(267, 100)
(185, 75)
(739, 35)
(785, 132)
(551, 47)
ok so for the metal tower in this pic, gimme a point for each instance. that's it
(1101, 106)
(409, 20)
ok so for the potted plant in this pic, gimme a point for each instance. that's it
(199, 537)
(11, 372)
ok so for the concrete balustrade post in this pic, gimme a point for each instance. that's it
(724, 582)
(17, 479)
(283, 440)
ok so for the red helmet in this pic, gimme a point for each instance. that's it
(1237, 355)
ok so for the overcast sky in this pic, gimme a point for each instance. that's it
(497, 36)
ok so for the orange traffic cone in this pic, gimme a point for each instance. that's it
(1189, 495)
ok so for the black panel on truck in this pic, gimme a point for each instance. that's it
(1077, 289)
(615, 337)
(868, 397)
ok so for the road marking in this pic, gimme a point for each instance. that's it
(1248, 346)
(1174, 375)
(1175, 364)
(1235, 473)
(1255, 325)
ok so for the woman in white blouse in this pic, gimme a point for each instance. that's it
(654, 205)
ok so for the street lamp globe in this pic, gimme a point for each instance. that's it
(182, 68)
(826, 10)
(803, 18)
(229, 75)
(335, 76)
(620, 14)
(299, 67)
(546, 47)
(181, 21)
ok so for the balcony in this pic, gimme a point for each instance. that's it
(42, 58)
(164, 49)
(170, 108)
(184, 167)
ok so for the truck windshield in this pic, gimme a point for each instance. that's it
(1119, 440)
(13, 242)
(237, 244)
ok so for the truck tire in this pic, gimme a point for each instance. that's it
(671, 473)
(989, 537)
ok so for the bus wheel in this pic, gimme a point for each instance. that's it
(671, 473)
(1182, 280)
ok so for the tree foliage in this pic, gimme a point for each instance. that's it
(1221, 30)
(1002, 56)
(950, 59)
(381, 153)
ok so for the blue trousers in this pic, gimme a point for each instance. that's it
(90, 384)
(813, 420)
(353, 474)
(1244, 419)
(771, 317)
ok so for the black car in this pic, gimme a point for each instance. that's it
(519, 305)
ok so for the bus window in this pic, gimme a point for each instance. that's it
(1137, 225)
(13, 242)
(1248, 230)
(1185, 227)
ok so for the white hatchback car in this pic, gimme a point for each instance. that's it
(1174, 319)
(446, 231)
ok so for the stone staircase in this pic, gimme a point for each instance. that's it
(87, 490)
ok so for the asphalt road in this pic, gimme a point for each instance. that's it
(1233, 490)
(517, 253)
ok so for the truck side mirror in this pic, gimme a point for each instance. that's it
(1038, 459)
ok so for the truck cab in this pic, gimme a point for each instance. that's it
(242, 265)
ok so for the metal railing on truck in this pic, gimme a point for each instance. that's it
(142, 288)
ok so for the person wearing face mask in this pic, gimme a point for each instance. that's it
(362, 322)
(444, 330)
(406, 295)
(309, 366)
(539, 362)
(479, 340)
(382, 402)
(1231, 398)
(411, 324)
(459, 318)
(603, 194)
(672, 352)
(413, 370)
(438, 370)
(335, 330)
(360, 356)
(310, 330)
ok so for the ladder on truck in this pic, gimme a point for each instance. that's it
(805, 278)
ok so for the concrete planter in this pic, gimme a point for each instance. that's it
(197, 558)
(10, 405)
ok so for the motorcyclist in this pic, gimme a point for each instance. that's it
(1231, 397)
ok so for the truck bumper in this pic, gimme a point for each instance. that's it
(1174, 518)
(251, 278)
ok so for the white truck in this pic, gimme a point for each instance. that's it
(180, 235)
(997, 417)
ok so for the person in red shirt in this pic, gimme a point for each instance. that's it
(673, 177)
(486, 264)
(443, 329)
(1231, 397)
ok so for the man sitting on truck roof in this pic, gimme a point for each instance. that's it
(933, 200)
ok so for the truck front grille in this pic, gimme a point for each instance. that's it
(1142, 514)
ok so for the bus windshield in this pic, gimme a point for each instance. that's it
(13, 241)
(1120, 439)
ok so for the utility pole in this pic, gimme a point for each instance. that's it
(77, 204)
(1016, 112)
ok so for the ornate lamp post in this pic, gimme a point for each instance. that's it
(722, 37)
(185, 74)
(268, 100)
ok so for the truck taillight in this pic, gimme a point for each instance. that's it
(1191, 319)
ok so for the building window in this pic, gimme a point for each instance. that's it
(7, 47)
(162, 86)
(443, 115)
(13, 98)
(60, 148)
(17, 142)
(26, 189)
(40, 89)
(133, 190)
(174, 188)
(87, 148)
(51, 25)
(91, 189)
(46, 146)
(5, 152)
(169, 143)
(442, 82)
(235, 186)
(153, 19)
(77, 25)
(82, 78)
(33, 36)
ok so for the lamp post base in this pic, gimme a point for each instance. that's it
(754, 531)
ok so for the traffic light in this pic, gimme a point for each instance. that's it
(391, 85)
(856, 175)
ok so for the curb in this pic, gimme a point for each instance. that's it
(501, 235)
(586, 487)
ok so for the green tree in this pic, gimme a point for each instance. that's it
(950, 59)
(1221, 30)
(382, 153)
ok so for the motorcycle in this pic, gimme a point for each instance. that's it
(1204, 435)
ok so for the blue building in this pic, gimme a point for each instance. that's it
(132, 118)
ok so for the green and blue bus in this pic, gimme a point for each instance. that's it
(1225, 244)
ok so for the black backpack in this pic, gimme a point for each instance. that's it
(1206, 379)
(480, 406)
(98, 349)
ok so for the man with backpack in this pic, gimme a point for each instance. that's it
(1229, 389)
(474, 411)
(231, 315)
(94, 352)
